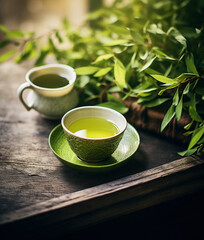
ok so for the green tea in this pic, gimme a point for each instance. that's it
(50, 81)
(93, 127)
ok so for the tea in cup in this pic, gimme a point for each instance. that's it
(93, 132)
(52, 88)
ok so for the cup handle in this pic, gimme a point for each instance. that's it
(20, 91)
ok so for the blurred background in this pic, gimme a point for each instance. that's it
(41, 15)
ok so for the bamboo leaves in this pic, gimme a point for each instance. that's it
(154, 55)
(164, 79)
(119, 73)
(168, 117)
(88, 70)
(148, 64)
(190, 64)
(198, 133)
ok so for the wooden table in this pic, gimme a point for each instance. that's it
(42, 197)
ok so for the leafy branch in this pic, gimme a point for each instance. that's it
(151, 50)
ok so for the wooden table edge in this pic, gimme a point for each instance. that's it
(112, 199)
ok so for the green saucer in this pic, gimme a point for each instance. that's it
(61, 149)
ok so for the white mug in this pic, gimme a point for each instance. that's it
(50, 102)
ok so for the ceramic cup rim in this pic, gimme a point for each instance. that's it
(94, 107)
(51, 66)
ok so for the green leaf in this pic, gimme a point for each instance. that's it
(137, 36)
(153, 103)
(65, 23)
(188, 152)
(189, 32)
(41, 58)
(186, 89)
(196, 137)
(4, 43)
(174, 85)
(59, 38)
(176, 98)
(103, 58)
(82, 81)
(116, 42)
(162, 54)
(190, 64)
(181, 78)
(194, 115)
(148, 64)
(188, 126)
(114, 89)
(118, 29)
(14, 34)
(192, 109)
(28, 52)
(115, 104)
(3, 28)
(7, 55)
(119, 73)
(179, 108)
(88, 70)
(168, 117)
(52, 46)
(102, 72)
(164, 79)
(168, 70)
(177, 35)
(120, 108)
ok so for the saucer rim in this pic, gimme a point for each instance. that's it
(92, 166)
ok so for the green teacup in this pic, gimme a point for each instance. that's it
(93, 133)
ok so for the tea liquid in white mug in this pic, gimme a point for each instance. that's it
(93, 127)
(50, 81)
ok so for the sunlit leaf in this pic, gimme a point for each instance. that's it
(103, 58)
(3, 28)
(14, 34)
(164, 79)
(148, 64)
(118, 29)
(119, 73)
(7, 55)
(184, 76)
(117, 42)
(102, 72)
(88, 70)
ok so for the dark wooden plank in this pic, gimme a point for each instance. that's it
(105, 201)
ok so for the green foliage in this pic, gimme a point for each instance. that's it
(151, 50)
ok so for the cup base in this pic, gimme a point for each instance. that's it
(92, 161)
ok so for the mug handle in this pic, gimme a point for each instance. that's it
(20, 91)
